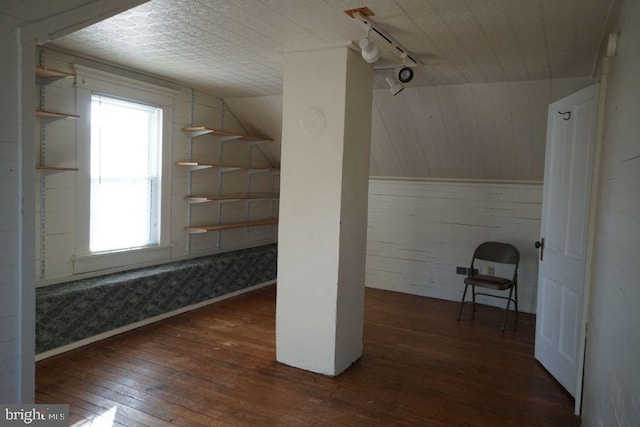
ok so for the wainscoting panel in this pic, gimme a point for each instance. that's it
(420, 230)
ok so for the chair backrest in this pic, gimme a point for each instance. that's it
(503, 253)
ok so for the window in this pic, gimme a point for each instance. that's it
(123, 183)
(126, 143)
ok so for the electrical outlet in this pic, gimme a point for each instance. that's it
(461, 270)
(491, 270)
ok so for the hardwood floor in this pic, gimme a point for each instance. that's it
(216, 366)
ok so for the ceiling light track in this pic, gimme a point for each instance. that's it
(363, 14)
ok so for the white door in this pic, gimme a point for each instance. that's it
(571, 129)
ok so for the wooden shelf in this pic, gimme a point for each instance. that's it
(225, 135)
(232, 197)
(54, 169)
(230, 226)
(54, 115)
(225, 168)
(51, 74)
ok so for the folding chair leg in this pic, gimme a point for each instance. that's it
(506, 311)
(464, 294)
(473, 291)
(515, 302)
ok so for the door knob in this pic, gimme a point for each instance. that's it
(540, 245)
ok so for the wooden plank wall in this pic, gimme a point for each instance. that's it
(10, 248)
(612, 377)
(420, 230)
(467, 131)
(61, 141)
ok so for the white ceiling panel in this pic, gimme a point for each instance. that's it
(234, 48)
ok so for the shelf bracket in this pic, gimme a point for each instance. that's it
(197, 133)
(198, 167)
(257, 170)
(229, 169)
(258, 142)
(230, 138)
(197, 231)
(197, 201)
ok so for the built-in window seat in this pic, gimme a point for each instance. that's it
(74, 311)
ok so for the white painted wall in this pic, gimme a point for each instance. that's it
(420, 230)
(9, 212)
(261, 115)
(63, 139)
(323, 209)
(612, 373)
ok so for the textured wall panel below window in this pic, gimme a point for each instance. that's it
(69, 312)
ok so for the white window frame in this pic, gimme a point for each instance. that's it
(88, 82)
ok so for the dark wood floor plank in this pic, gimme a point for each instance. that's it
(125, 413)
(215, 366)
(77, 414)
(227, 379)
(163, 385)
(131, 397)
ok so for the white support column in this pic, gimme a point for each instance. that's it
(323, 209)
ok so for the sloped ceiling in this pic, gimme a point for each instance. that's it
(476, 110)
(484, 131)
(234, 48)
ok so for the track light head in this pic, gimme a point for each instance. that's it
(404, 75)
(394, 86)
(370, 52)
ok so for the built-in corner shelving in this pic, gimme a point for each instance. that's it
(48, 75)
(232, 197)
(51, 115)
(230, 226)
(196, 131)
(226, 167)
(224, 137)
(44, 77)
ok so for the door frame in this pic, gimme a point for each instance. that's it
(27, 38)
(591, 226)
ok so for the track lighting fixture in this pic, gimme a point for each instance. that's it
(395, 87)
(404, 74)
(363, 15)
(370, 52)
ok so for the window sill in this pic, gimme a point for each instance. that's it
(109, 260)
